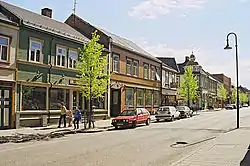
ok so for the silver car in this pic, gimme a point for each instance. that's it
(167, 113)
(185, 111)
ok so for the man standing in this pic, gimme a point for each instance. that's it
(63, 115)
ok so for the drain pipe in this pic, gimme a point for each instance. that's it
(109, 72)
(51, 84)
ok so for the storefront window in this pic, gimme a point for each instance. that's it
(148, 98)
(99, 102)
(156, 98)
(33, 98)
(58, 96)
(140, 97)
(130, 97)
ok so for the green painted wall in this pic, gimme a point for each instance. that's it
(26, 71)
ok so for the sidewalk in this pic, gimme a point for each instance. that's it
(230, 149)
(99, 125)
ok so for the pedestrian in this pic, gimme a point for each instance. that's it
(77, 117)
(70, 116)
(63, 115)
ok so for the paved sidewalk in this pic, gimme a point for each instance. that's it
(229, 149)
(99, 125)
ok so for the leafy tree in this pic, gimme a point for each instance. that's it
(222, 93)
(91, 67)
(234, 95)
(243, 97)
(189, 86)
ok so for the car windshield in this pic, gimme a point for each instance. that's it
(128, 113)
(180, 108)
(164, 109)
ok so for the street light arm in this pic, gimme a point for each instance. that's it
(235, 36)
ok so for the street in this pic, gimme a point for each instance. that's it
(145, 145)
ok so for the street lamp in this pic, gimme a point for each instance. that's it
(237, 73)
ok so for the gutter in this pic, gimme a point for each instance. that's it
(109, 72)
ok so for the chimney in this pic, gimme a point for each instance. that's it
(186, 58)
(47, 12)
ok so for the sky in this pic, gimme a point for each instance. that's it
(170, 28)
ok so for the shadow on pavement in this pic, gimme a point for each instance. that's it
(126, 128)
(246, 159)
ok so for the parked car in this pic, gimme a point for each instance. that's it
(234, 106)
(130, 118)
(167, 113)
(229, 106)
(185, 111)
(245, 105)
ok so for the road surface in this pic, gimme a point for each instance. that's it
(146, 145)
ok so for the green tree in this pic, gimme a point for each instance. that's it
(189, 86)
(234, 95)
(92, 74)
(241, 96)
(222, 93)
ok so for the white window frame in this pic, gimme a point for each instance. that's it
(61, 55)
(116, 62)
(8, 47)
(153, 72)
(146, 70)
(136, 68)
(35, 50)
(73, 60)
(129, 72)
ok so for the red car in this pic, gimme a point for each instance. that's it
(130, 118)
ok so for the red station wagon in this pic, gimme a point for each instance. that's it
(130, 118)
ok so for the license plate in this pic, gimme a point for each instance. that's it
(119, 124)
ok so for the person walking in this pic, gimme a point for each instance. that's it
(77, 117)
(63, 115)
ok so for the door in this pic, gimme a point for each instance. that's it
(115, 103)
(140, 116)
(5, 107)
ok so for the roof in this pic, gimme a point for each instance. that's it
(169, 62)
(6, 19)
(181, 67)
(44, 23)
(128, 44)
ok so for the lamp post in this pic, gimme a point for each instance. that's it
(237, 73)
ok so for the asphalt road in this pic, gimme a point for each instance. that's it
(145, 145)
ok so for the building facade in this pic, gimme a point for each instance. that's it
(136, 75)
(9, 34)
(47, 53)
(170, 82)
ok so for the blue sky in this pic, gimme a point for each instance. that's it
(170, 28)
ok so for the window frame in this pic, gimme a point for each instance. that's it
(141, 97)
(137, 68)
(72, 50)
(41, 49)
(153, 72)
(144, 73)
(133, 97)
(61, 55)
(8, 49)
(118, 63)
(131, 65)
(151, 92)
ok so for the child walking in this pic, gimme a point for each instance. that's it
(77, 118)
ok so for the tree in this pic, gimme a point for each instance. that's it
(189, 87)
(92, 74)
(243, 97)
(222, 93)
(234, 95)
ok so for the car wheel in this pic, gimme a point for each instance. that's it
(158, 120)
(172, 118)
(116, 127)
(148, 122)
(134, 124)
(191, 114)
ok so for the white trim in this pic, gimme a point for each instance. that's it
(137, 68)
(61, 55)
(35, 50)
(128, 59)
(73, 60)
(113, 67)
(8, 47)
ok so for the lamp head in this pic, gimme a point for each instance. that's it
(227, 46)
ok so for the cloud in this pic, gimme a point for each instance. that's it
(152, 9)
(210, 62)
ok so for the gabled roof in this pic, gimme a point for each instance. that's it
(129, 45)
(5, 19)
(169, 62)
(44, 23)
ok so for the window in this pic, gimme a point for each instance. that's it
(116, 63)
(129, 66)
(173, 78)
(130, 97)
(98, 103)
(170, 78)
(140, 97)
(33, 98)
(4, 48)
(35, 51)
(145, 71)
(158, 74)
(60, 56)
(167, 80)
(178, 81)
(58, 96)
(73, 56)
(136, 68)
(148, 98)
(153, 73)
(156, 98)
